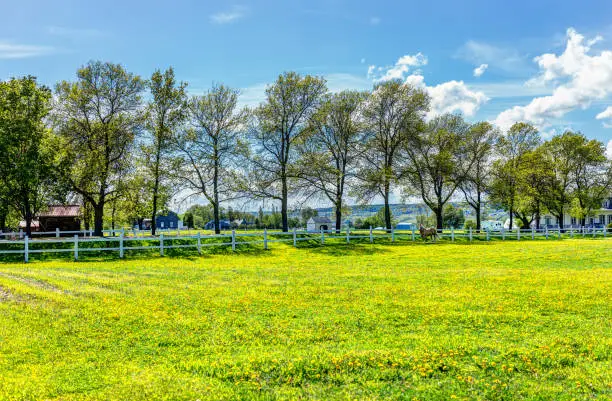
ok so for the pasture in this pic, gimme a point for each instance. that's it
(502, 320)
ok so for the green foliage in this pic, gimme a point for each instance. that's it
(469, 224)
(347, 322)
(376, 220)
(27, 160)
(452, 216)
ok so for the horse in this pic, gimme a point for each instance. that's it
(428, 232)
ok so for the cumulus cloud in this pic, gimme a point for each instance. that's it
(399, 70)
(579, 78)
(478, 71)
(226, 17)
(447, 97)
(607, 113)
(10, 50)
(609, 149)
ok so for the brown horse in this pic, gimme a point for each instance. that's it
(428, 232)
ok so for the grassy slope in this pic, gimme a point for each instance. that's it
(504, 320)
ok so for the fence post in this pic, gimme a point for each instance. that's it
(604, 231)
(503, 233)
(413, 234)
(532, 233)
(371, 237)
(121, 244)
(594, 231)
(265, 238)
(348, 234)
(571, 232)
(294, 238)
(76, 247)
(470, 232)
(518, 234)
(161, 244)
(57, 232)
(26, 249)
(233, 240)
(546, 232)
(489, 234)
(559, 232)
(392, 235)
(20, 233)
(199, 244)
(91, 232)
(322, 236)
(452, 234)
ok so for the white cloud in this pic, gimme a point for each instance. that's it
(579, 79)
(399, 70)
(226, 17)
(478, 71)
(609, 149)
(10, 50)
(447, 97)
(607, 113)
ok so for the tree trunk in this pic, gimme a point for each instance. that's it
(338, 216)
(28, 221)
(284, 202)
(439, 218)
(387, 207)
(477, 208)
(154, 213)
(511, 211)
(2, 221)
(216, 217)
(98, 218)
(561, 220)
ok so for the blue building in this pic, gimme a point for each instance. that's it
(169, 220)
(223, 225)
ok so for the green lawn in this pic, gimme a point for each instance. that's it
(500, 320)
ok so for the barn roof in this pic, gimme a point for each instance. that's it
(61, 211)
(321, 220)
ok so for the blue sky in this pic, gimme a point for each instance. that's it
(549, 62)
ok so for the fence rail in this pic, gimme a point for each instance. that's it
(78, 245)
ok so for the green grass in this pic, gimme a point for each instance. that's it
(500, 320)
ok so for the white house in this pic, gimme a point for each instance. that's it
(316, 223)
(599, 218)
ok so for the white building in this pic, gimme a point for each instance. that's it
(316, 223)
(599, 218)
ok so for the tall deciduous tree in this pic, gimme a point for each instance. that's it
(25, 156)
(165, 113)
(438, 161)
(520, 139)
(328, 158)
(394, 113)
(479, 146)
(98, 118)
(211, 148)
(279, 124)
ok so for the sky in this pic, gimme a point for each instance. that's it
(545, 62)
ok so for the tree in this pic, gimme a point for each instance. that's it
(452, 216)
(279, 125)
(520, 139)
(210, 149)
(393, 113)
(25, 154)
(165, 112)
(535, 180)
(98, 118)
(479, 146)
(328, 157)
(307, 213)
(591, 173)
(438, 161)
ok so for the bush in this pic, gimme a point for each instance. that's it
(469, 224)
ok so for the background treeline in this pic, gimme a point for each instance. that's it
(123, 147)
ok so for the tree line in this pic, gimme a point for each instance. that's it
(123, 147)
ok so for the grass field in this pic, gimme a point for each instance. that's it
(500, 320)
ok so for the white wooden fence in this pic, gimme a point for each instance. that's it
(121, 242)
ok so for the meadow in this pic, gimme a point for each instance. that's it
(501, 320)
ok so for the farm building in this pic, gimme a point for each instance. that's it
(163, 221)
(66, 218)
(405, 226)
(318, 223)
(223, 225)
(598, 218)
